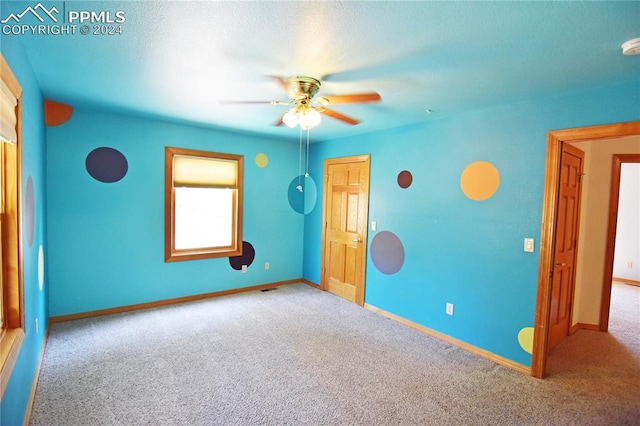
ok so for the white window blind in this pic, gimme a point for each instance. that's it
(200, 171)
(8, 119)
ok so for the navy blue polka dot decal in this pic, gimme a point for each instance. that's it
(246, 258)
(387, 252)
(106, 164)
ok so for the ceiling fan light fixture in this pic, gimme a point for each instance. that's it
(290, 118)
(309, 118)
(303, 115)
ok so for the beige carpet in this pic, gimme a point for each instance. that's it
(300, 356)
(606, 363)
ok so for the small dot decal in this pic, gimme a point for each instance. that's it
(387, 252)
(29, 211)
(405, 179)
(525, 338)
(480, 180)
(262, 160)
(246, 258)
(106, 164)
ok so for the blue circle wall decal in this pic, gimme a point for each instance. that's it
(29, 211)
(246, 258)
(387, 252)
(106, 164)
(303, 194)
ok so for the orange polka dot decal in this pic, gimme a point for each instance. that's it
(56, 113)
(480, 180)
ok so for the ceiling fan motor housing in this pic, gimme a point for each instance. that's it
(302, 87)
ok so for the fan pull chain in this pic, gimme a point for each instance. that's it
(299, 187)
(306, 174)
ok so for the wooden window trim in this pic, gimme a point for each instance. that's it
(173, 255)
(12, 336)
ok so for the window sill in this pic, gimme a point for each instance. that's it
(177, 256)
(10, 344)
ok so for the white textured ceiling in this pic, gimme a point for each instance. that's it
(181, 59)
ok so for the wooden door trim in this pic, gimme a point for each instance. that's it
(364, 158)
(614, 197)
(555, 139)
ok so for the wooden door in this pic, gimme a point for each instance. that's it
(344, 232)
(567, 225)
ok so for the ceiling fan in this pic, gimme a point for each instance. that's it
(306, 109)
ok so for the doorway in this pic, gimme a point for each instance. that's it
(344, 230)
(556, 140)
(616, 170)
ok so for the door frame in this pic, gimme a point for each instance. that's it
(555, 139)
(362, 158)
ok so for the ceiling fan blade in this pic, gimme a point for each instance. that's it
(281, 81)
(256, 102)
(245, 102)
(283, 85)
(337, 115)
(353, 99)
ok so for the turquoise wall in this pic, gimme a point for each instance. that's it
(458, 250)
(107, 239)
(14, 401)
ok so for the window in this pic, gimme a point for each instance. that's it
(203, 204)
(11, 291)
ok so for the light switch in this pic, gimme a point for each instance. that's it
(374, 225)
(529, 245)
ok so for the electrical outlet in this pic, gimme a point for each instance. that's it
(449, 309)
(244, 269)
(267, 265)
